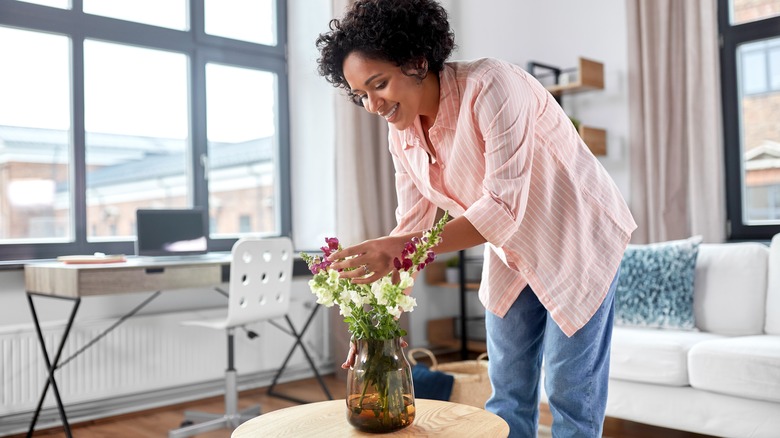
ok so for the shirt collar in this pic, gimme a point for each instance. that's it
(447, 116)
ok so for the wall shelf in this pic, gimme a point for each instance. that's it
(588, 76)
(595, 138)
(434, 275)
(443, 333)
(442, 336)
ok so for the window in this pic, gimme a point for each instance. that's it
(760, 66)
(242, 164)
(35, 120)
(750, 74)
(238, 19)
(166, 13)
(135, 118)
(121, 105)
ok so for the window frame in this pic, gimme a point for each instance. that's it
(731, 36)
(201, 49)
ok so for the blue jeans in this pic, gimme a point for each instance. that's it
(576, 368)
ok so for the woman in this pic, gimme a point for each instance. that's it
(486, 142)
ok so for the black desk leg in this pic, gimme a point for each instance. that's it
(298, 342)
(52, 366)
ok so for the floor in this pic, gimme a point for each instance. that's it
(155, 423)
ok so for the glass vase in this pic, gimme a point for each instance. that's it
(380, 393)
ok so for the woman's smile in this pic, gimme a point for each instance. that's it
(389, 114)
(383, 88)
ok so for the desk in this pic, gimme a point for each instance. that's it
(134, 275)
(71, 282)
(329, 419)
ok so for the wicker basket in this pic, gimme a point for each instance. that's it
(471, 385)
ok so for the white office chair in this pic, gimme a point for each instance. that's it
(260, 276)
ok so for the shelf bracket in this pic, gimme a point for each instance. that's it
(555, 71)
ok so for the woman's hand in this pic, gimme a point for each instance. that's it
(369, 261)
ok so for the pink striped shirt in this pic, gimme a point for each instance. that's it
(510, 160)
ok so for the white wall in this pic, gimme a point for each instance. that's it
(312, 128)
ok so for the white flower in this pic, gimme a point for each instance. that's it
(407, 303)
(324, 295)
(406, 280)
(395, 311)
(379, 290)
(333, 278)
(357, 298)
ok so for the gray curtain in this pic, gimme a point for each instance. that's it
(676, 146)
(365, 188)
(365, 181)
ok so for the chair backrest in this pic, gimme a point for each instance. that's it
(260, 279)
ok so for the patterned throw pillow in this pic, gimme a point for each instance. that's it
(655, 288)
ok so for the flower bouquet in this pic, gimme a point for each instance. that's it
(380, 393)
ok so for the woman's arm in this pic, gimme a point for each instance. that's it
(377, 254)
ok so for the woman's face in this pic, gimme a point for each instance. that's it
(385, 90)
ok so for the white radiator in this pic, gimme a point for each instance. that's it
(145, 355)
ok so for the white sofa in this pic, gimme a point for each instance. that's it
(724, 378)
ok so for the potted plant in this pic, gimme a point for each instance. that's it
(452, 271)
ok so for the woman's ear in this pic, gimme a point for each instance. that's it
(421, 68)
(417, 68)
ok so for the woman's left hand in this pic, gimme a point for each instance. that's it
(369, 261)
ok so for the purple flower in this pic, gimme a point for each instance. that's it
(333, 245)
(319, 265)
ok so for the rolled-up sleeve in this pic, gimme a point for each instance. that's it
(504, 113)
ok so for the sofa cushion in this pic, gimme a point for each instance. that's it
(773, 289)
(655, 288)
(745, 366)
(653, 355)
(730, 288)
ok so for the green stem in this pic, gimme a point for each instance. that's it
(363, 394)
(386, 401)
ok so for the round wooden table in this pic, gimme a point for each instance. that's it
(329, 419)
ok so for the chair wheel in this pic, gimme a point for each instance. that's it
(186, 423)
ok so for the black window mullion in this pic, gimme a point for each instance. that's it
(198, 139)
(78, 186)
(284, 164)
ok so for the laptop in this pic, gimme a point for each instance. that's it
(171, 233)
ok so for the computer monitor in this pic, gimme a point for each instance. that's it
(170, 232)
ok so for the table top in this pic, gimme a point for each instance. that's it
(131, 262)
(329, 419)
(136, 274)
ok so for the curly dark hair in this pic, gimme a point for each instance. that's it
(397, 31)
